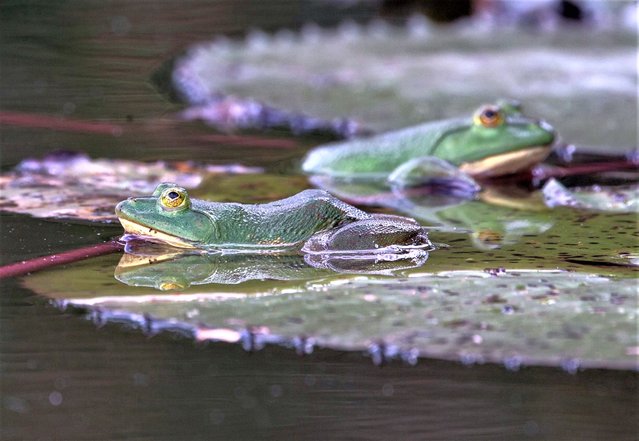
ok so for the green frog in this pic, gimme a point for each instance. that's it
(497, 140)
(311, 220)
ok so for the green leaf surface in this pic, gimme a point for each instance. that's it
(518, 317)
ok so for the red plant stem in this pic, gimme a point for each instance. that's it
(543, 172)
(249, 141)
(56, 123)
(40, 263)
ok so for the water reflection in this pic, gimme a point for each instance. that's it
(501, 216)
(165, 268)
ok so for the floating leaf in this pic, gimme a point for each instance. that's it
(72, 186)
(516, 318)
(380, 78)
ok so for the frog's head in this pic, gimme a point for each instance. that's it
(156, 271)
(168, 216)
(499, 140)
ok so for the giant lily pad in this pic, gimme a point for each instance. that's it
(524, 317)
(380, 77)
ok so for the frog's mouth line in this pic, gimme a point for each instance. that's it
(128, 261)
(145, 232)
(506, 163)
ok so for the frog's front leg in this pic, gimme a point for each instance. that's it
(374, 235)
(433, 171)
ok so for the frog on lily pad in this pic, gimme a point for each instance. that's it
(497, 140)
(312, 220)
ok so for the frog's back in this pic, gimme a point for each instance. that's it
(378, 155)
(280, 223)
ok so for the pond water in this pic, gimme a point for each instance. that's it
(63, 377)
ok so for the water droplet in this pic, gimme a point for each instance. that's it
(276, 391)
(411, 357)
(303, 345)
(120, 25)
(55, 398)
(216, 416)
(531, 428)
(513, 363)
(16, 404)
(469, 359)
(61, 383)
(140, 379)
(571, 365)
(377, 353)
(68, 108)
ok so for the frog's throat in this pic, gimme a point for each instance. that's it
(150, 233)
(506, 163)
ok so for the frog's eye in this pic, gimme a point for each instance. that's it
(489, 116)
(173, 198)
(170, 286)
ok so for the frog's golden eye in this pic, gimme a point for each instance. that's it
(170, 286)
(489, 116)
(173, 198)
(489, 236)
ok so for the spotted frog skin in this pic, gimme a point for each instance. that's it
(312, 220)
(497, 140)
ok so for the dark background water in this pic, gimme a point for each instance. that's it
(63, 378)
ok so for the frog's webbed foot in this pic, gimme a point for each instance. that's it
(433, 172)
(387, 236)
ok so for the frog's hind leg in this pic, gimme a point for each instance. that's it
(433, 172)
(374, 235)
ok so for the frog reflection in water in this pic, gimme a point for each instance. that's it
(313, 220)
(167, 268)
(497, 140)
(499, 217)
